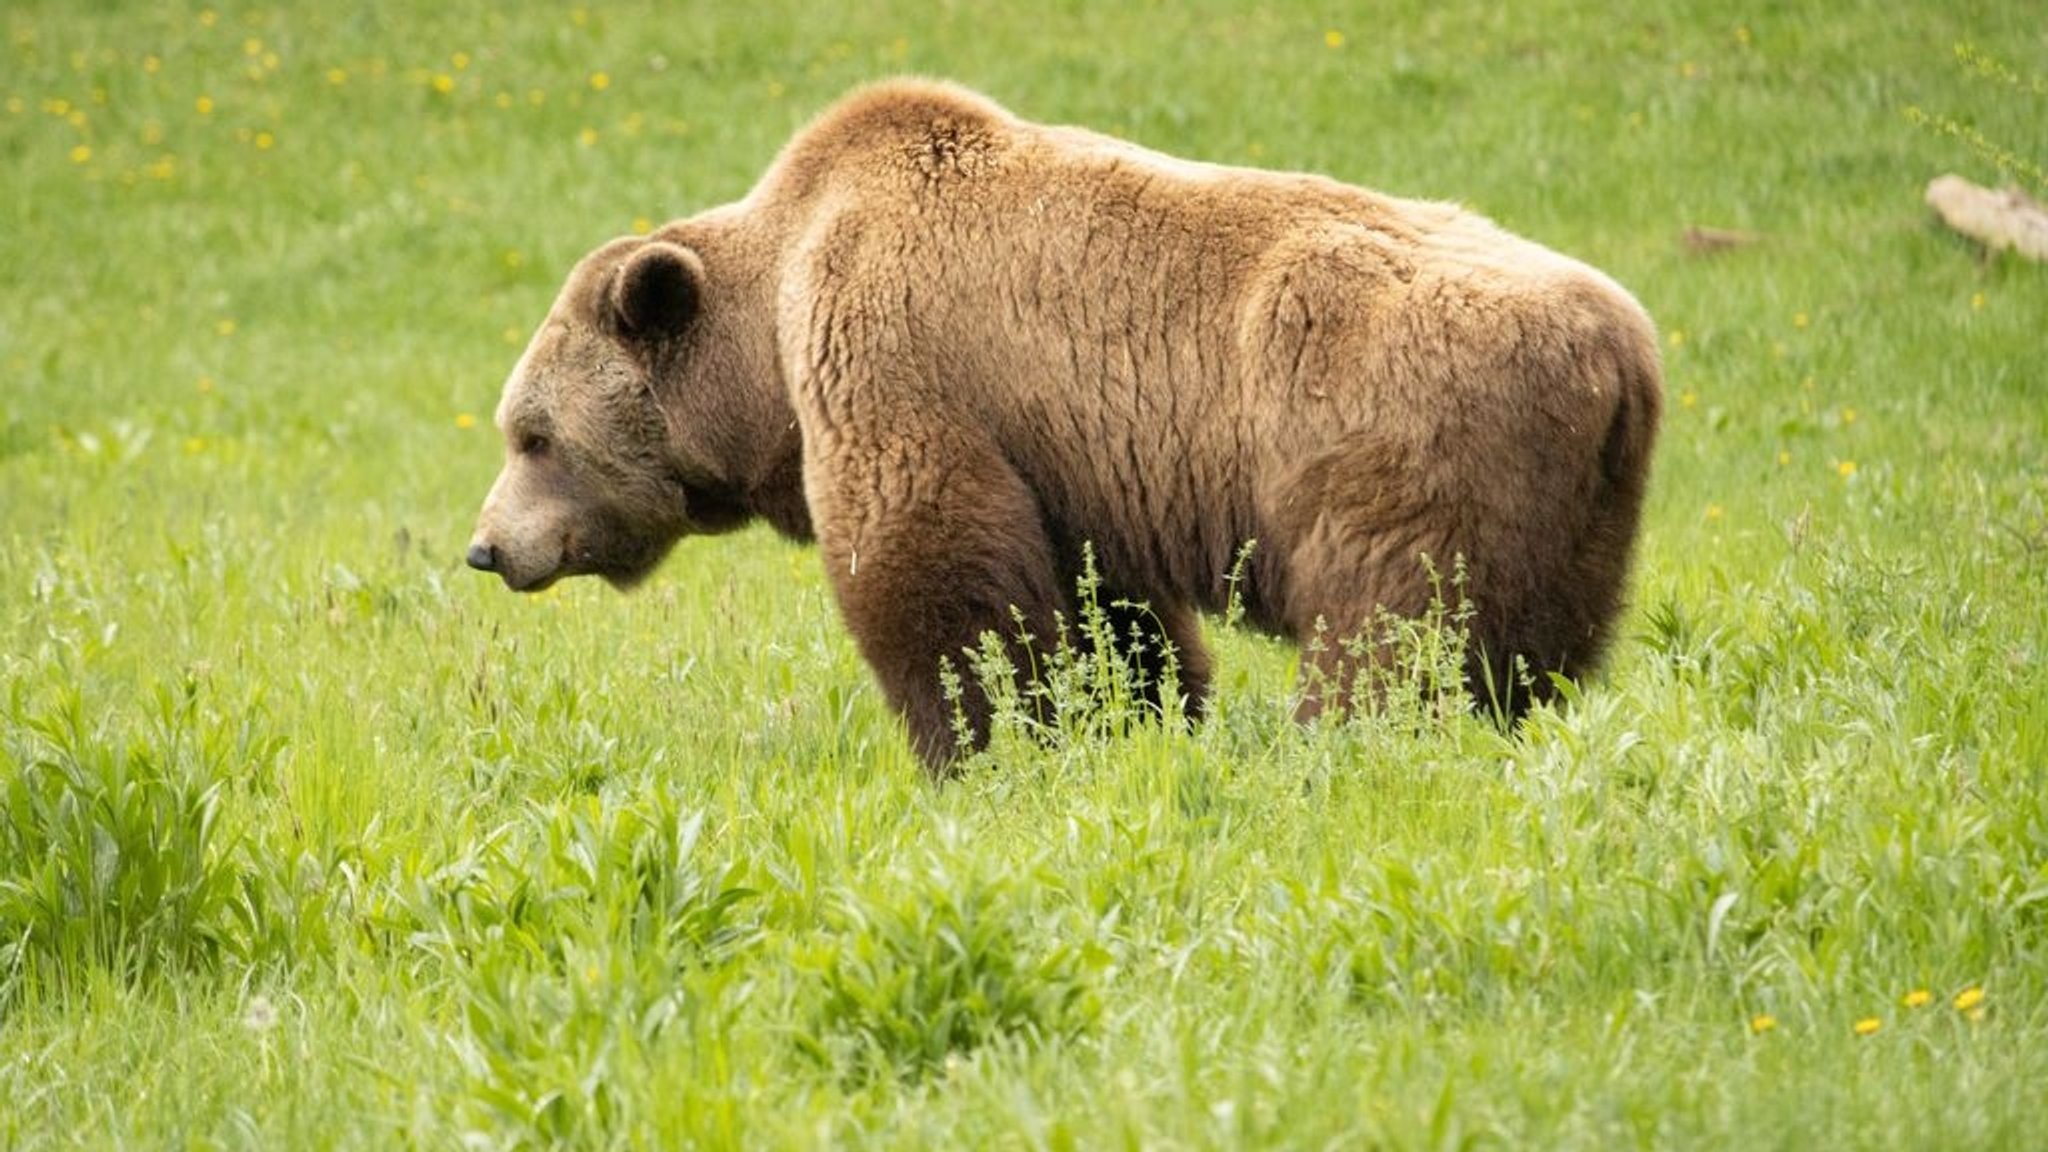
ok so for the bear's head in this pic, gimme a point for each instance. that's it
(626, 423)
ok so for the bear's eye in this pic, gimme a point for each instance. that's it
(533, 444)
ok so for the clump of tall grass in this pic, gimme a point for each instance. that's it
(112, 853)
(1112, 670)
(945, 964)
(570, 941)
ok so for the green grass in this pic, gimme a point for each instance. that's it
(311, 838)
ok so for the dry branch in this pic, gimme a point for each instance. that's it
(1703, 240)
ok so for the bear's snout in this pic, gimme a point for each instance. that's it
(520, 567)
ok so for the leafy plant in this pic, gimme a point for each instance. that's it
(1409, 672)
(943, 966)
(1099, 674)
(567, 939)
(111, 852)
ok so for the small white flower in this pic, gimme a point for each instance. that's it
(260, 1015)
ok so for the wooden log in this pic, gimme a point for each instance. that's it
(1998, 218)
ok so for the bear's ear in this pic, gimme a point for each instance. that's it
(656, 290)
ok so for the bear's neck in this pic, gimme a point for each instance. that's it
(778, 497)
(740, 248)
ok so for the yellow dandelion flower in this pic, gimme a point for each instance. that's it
(57, 107)
(460, 60)
(225, 327)
(599, 81)
(152, 63)
(1848, 415)
(163, 167)
(1917, 998)
(203, 105)
(78, 118)
(579, 16)
(587, 137)
(1675, 338)
(207, 17)
(503, 100)
(337, 76)
(444, 83)
(1969, 998)
(511, 335)
(1845, 468)
(1688, 70)
(536, 97)
(465, 420)
(1761, 1023)
(1801, 320)
(1688, 398)
(1784, 458)
(642, 225)
(1333, 39)
(265, 141)
(1868, 1026)
(1713, 513)
(1976, 301)
(514, 258)
(194, 446)
(16, 105)
(252, 47)
(205, 384)
(1742, 35)
(81, 154)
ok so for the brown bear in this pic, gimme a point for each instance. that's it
(964, 350)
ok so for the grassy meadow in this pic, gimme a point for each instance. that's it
(310, 837)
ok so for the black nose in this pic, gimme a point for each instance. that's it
(483, 557)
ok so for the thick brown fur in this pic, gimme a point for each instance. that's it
(960, 348)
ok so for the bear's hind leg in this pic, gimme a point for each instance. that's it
(1351, 592)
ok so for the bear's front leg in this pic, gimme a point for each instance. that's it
(930, 547)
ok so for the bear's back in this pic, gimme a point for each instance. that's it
(953, 193)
